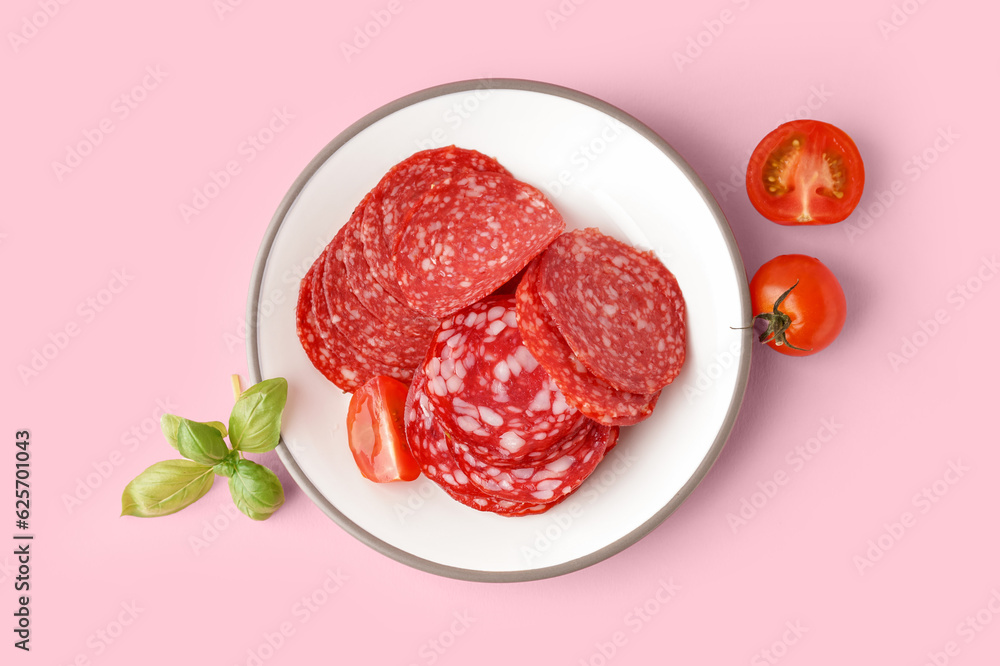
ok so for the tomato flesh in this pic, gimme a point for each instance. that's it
(815, 306)
(376, 434)
(805, 172)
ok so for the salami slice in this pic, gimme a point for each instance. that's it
(372, 295)
(405, 184)
(339, 360)
(467, 237)
(620, 310)
(540, 482)
(490, 391)
(428, 443)
(501, 506)
(305, 327)
(431, 448)
(391, 345)
(596, 399)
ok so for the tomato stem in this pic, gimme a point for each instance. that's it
(778, 323)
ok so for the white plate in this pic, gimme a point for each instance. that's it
(600, 167)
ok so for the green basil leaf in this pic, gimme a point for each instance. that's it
(256, 490)
(169, 424)
(165, 488)
(255, 424)
(228, 466)
(200, 442)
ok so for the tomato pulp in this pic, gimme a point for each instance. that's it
(376, 434)
(802, 303)
(805, 172)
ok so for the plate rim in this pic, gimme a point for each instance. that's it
(620, 544)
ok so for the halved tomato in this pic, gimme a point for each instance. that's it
(805, 172)
(376, 434)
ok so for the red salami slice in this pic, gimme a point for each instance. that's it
(428, 442)
(340, 361)
(405, 184)
(540, 482)
(305, 327)
(490, 391)
(430, 447)
(500, 506)
(620, 310)
(467, 237)
(390, 345)
(372, 295)
(596, 399)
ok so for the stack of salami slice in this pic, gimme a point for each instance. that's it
(606, 321)
(442, 229)
(486, 423)
(514, 398)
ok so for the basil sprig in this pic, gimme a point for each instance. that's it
(254, 427)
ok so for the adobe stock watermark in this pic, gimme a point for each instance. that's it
(223, 8)
(562, 12)
(121, 108)
(779, 648)
(303, 610)
(7, 569)
(104, 469)
(584, 155)
(32, 24)
(796, 460)
(634, 621)
(211, 530)
(699, 42)
(923, 501)
(563, 521)
(957, 298)
(899, 15)
(913, 168)
(235, 340)
(366, 33)
(817, 97)
(102, 639)
(967, 631)
(707, 376)
(455, 116)
(86, 312)
(246, 152)
(415, 500)
(434, 648)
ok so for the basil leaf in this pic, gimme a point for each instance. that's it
(256, 490)
(200, 442)
(228, 466)
(165, 488)
(255, 423)
(169, 424)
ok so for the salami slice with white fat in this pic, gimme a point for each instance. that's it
(539, 482)
(468, 236)
(333, 354)
(620, 310)
(490, 391)
(428, 442)
(593, 397)
(431, 448)
(389, 344)
(397, 191)
(372, 295)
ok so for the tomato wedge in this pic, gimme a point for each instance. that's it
(376, 434)
(805, 172)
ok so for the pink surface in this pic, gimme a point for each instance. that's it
(913, 83)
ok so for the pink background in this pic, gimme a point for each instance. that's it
(172, 334)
